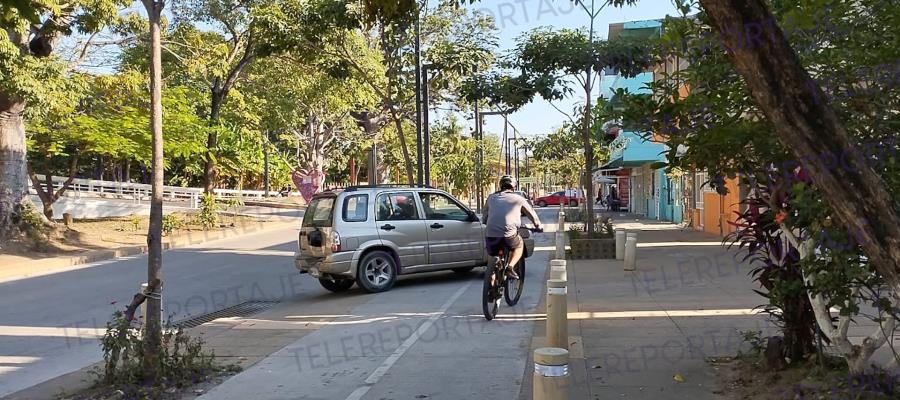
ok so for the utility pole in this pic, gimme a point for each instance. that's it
(506, 140)
(420, 161)
(478, 157)
(426, 130)
(266, 166)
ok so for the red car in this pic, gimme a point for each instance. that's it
(558, 198)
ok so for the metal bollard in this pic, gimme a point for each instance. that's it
(558, 269)
(561, 224)
(557, 314)
(620, 243)
(551, 374)
(630, 253)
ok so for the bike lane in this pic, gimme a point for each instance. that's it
(426, 338)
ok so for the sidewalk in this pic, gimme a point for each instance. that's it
(648, 334)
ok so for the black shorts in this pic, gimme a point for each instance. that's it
(495, 244)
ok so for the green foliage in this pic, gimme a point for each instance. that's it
(135, 222)
(29, 221)
(756, 341)
(171, 223)
(183, 361)
(208, 216)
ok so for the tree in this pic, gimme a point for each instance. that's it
(106, 119)
(308, 104)
(31, 75)
(545, 63)
(806, 123)
(726, 131)
(153, 329)
(454, 42)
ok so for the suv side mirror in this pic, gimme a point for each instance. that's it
(472, 216)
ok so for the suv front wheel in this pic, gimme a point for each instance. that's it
(336, 285)
(377, 272)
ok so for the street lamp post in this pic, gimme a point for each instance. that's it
(479, 129)
(420, 175)
(426, 130)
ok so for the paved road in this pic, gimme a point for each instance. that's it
(49, 325)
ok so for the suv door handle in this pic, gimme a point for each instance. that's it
(436, 226)
(388, 227)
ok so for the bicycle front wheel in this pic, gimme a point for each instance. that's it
(490, 299)
(514, 287)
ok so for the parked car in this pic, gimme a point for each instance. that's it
(558, 198)
(369, 235)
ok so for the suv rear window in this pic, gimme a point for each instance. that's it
(319, 212)
(356, 208)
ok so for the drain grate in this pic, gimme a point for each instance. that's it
(244, 309)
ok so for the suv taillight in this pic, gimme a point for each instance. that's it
(335, 242)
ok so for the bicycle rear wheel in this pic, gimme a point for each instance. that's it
(514, 287)
(490, 296)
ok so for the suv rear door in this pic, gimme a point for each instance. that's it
(452, 237)
(400, 222)
(315, 232)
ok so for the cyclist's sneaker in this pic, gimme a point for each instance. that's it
(511, 274)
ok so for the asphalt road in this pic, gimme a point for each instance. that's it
(49, 325)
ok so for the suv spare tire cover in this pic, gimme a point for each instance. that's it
(315, 238)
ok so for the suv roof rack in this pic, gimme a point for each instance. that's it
(386, 185)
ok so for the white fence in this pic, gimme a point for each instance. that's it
(141, 192)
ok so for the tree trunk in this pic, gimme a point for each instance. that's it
(407, 161)
(210, 171)
(153, 328)
(127, 170)
(808, 126)
(13, 180)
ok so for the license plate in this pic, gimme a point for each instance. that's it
(314, 272)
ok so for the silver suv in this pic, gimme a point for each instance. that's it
(370, 235)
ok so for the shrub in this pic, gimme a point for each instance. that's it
(208, 216)
(182, 361)
(135, 222)
(31, 223)
(171, 223)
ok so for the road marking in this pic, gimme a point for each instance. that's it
(407, 344)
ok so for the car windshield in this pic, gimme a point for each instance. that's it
(319, 212)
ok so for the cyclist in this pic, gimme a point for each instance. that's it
(503, 216)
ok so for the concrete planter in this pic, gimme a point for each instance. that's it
(592, 248)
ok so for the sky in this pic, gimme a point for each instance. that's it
(515, 17)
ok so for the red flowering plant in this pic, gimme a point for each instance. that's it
(775, 263)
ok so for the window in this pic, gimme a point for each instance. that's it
(319, 212)
(439, 206)
(356, 208)
(396, 207)
(701, 180)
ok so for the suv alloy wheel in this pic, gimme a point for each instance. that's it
(377, 272)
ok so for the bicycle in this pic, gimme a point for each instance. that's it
(497, 284)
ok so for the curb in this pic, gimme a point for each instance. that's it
(34, 268)
(274, 205)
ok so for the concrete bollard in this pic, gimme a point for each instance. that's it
(558, 270)
(560, 245)
(620, 243)
(561, 224)
(557, 314)
(551, 374)
(630, 253)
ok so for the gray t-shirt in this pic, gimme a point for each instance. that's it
(503, 214)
